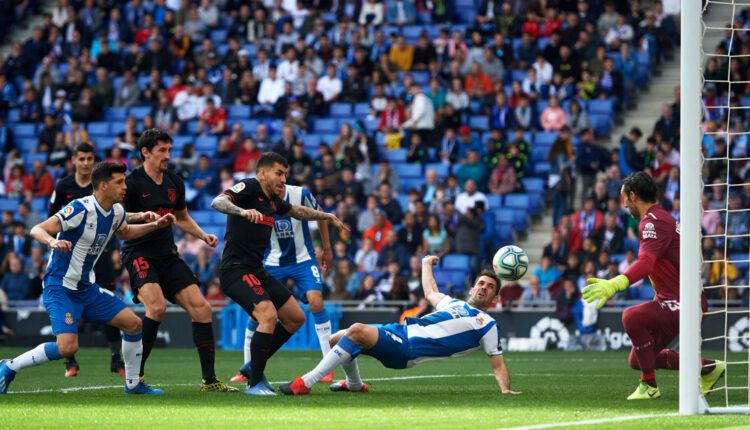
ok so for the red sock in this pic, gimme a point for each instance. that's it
(668, 359)
(649, 378)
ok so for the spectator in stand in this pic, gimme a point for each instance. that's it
(586, 221)
(39, 182)
(203, 179)
(213, 119)
(410, 235)
(557, 250)
(401, 54)
(469, 197)
(629, 160)
(609, 237)
(330, 86)
(389, 205)
(129, 93)
(435, 240)
(378, 231)
(30, 108)
(366, 217)
(366, 258)
(386, 175)
(478, 84)
(534, 295)
(503, 178)
(547, 272)
(562, 154)
(392, 251)
(475, 170)
(468, 235)
(421, 114)
(553, 117)
(457, 97)
(392, 116)
(15, 283)
(247, 156)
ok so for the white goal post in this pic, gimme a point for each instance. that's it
(732, 394)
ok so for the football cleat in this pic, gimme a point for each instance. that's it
(143, 388)
(342, 386)
(6, 376)
(328, 377)
(217, 386)
(243, 375)
(260, 389)
(71, 369)
(295, 388)
(709, 380)
(117, 366)
(645, 392)
(238, 377)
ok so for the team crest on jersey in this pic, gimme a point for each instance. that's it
(649, 231)
(172, 195)
(69, 319)
(68, 211)
(239, 186)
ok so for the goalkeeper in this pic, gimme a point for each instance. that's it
(653, 325)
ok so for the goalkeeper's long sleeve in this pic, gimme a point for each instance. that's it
(641, 268)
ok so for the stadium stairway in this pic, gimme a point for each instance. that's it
(23, 31)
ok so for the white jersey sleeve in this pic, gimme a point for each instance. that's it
(120, 217)
(491, 341)
(71, 215)
(445, 303)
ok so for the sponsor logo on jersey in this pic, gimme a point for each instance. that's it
(69, 319)
(99, 242)
(284, 229)
(649, 231)
(239, 186)
(172, 195)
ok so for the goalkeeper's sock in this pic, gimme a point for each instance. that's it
(668, 359)
(249, 332)
(707, 366)
(41, 354)
(649, 378)
(338, 355)
(132, 354)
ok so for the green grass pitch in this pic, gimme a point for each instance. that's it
(449, 394)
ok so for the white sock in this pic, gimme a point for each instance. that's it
(337, 356)
(249, 332)
(41, 354)
(324, 336)
(132, 352)
(353, 380)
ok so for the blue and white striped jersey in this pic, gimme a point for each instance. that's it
(291, 242)
(455, 328)
(89, 228)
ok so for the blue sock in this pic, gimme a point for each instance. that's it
(321, 317)
(252, 325)
(52, 351)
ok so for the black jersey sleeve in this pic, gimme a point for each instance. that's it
(180, 204)
(131, 193)
(243, 193)
(56, 200)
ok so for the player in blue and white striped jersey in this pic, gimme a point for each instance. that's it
(454, 329)
(77, 235)
(291, 255)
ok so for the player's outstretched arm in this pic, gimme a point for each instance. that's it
(187, 224)
(429, 286)
(502, 376)
(139, 217)
(44, 233)
(304, 213)
(325, 240)
(132, 232)
(603, 289)
(224, 204)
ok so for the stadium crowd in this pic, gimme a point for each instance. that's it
(417, 122)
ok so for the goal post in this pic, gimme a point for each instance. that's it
(691, 189)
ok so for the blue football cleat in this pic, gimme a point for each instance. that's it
(143, 388)
(262, 388)
(6, 376)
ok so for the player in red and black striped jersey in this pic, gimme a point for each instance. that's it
(157, 273)
(67, 189)
(652, 326)
(251, 205)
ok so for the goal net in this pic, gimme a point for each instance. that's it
(715, 209)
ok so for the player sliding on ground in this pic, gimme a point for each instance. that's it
(455, 328)
(652, 325)
(77, 235)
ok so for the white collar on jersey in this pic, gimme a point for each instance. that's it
(100, 208)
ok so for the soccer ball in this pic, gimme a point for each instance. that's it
(510, 263)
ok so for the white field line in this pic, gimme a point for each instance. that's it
(591, 422)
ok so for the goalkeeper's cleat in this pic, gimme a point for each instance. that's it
(71, 369)
(243, 375)
(342, 386)
(260, 389)
(328, 377)
(645, 392)
(217, 386)
(143, 388)
(238, 377)
(6, 376)
(295, 388)
(709, 380)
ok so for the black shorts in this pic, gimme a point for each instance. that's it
(171, 273)
(248, 287)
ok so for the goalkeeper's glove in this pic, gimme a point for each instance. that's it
(603, 289)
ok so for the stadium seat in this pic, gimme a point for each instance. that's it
(457, 280)
(116, 114)
(494, 201)
(27, 145)
(546, 138)
(219, 36)
(455, 262)
(239, 112)
(325, 125)
(192, 127)
(439, 168)
(29, 159)
(343, 110)
(533, 185)
(116, 127)
(218, 218)
(206, 144)
(361, 110)
(23, 130)
(539, 153)
(39, 205)
(202, 218)
(139, 112)
(9, 204)
(503, 234)
(602, 123)
(517, 201)
(14, 116)
(520, 219)
(409, 170)
(98, 128)
(481, 123)
(603, 107)
(541, 169)
(396, 156)
(646, 292)
(179, 142)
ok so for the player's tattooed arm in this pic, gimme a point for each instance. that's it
(223, 204)
(308, 214)
(140, 217)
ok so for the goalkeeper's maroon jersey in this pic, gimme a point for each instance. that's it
(658, 254)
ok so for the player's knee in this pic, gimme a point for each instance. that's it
(201, 311)
(633, 361)
(156, 309)
(265, 314)
(67, 347)
(356, 332)
(629, 318)
(315, 302)
(133, 325)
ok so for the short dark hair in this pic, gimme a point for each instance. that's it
(642, 185)
(103, 172)
(151, 138)
(490, 274)
(268, 159)
(83, 147)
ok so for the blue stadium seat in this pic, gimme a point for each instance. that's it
(409, 170)
(441, 169)
(39, 205)
(504, 216)
(539, 153)
(503, 234)
(457, 280)
(27, 144)
(494, 201)
(206, 144)
(455, 262)
(421, 78)
(361, 110)
(116, 127)
(325, 125)
(518, 74)
(139, 112)
(179, 142)
(9, 204)
(533, 185)
(116, 114)
(481, 123)
(14, 115)
(23, 130)
(517, 201)
(218, 218)
(442, 279)
(219, 36)
(475, 106)
(520, 219)
(371, 124)
(542, 169)
(311, 140)
(603, 107)
(646, 292)
(545, 137)
(541, 105)
(201, 217)
(215, 230)
(343, 110)
(602, 123)
(396, 156)
(239, 111)
(29, 159)
(403, 201)
(408, 184)
(98, 128)
(192, 127)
